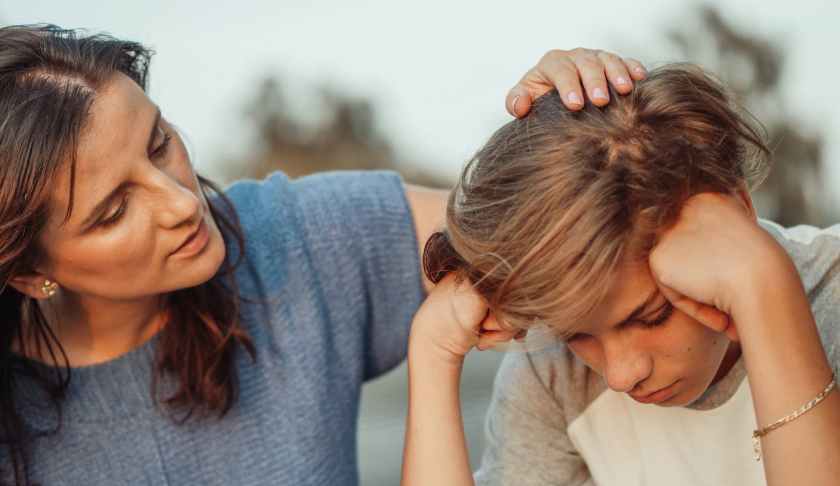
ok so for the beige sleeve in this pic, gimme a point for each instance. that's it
(526, 437)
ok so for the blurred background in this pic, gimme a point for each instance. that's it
(417, 87)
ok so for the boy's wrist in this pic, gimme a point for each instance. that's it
(426, 351)
(772, 280)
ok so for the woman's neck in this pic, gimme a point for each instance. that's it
(93, 330)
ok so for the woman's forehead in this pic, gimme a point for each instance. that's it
(115, 134)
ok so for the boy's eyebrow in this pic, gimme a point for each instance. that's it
(638, 310)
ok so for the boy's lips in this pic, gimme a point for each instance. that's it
(657, 396)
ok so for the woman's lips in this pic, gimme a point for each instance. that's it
(195, 243)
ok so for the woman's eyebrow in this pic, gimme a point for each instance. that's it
(105, 202)
(152, 131)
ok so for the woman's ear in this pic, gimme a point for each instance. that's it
(32, 284)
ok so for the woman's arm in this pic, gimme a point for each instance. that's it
(557, 69)
(716, 263)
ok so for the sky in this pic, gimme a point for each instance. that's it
(437, 70)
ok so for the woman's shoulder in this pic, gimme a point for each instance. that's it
(319, 204)
(339, 247)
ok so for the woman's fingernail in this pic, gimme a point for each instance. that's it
(598, 93)
(621, 80)
(513, 105)
(573, 98)
(640, 70)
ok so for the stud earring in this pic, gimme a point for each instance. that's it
(49, 288)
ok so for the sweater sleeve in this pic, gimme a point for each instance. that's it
(526, 439)
(359, 232)
(338, 252)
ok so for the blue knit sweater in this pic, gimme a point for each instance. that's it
(337, 256)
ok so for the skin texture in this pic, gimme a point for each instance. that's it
(640, 358)
(112, 279)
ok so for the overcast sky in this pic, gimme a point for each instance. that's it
(438, 70)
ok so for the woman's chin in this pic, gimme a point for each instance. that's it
(202, 267)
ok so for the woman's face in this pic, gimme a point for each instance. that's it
(136, 201)
(643, 346)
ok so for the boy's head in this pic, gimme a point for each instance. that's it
(554, 218)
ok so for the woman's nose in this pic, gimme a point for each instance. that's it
(179, 204)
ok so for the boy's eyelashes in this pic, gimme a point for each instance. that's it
(660, 316)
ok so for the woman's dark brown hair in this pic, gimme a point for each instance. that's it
(544, 213)
(49, 78)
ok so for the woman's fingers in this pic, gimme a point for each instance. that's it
(573, 73)
(635, 68)
(561, 74)
(616, 72)
(555, 70)
(593, 75)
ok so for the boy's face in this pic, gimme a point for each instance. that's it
(660, 355)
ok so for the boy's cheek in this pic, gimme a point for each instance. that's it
(588, 353)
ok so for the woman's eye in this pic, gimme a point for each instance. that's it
(113, 219)
(161, 149)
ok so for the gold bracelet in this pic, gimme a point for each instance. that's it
(758, 434)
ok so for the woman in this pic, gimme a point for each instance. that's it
(629, 232)
(158, 330)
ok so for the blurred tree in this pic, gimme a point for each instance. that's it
(347, 136)
(752, 67)
(344, 137)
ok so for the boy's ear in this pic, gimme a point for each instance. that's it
(31, 284)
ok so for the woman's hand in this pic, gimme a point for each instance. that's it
(565, 70)
(714, 257)
(453, 320)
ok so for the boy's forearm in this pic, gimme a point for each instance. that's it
(435, 446)
(787, 367)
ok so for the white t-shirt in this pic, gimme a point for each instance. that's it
(553, 421)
